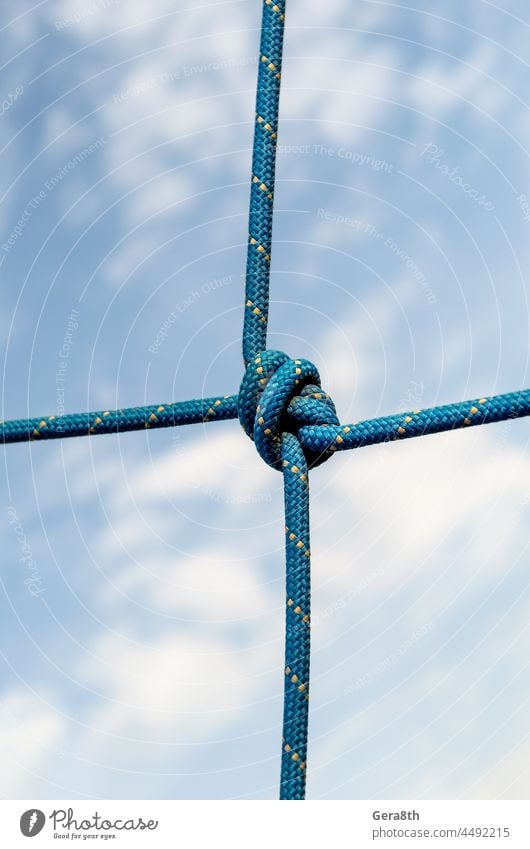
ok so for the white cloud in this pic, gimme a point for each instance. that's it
(184, 687)
(31, 735)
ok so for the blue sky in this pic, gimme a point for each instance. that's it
(141, 634)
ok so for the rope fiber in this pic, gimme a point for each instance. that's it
(282, 407)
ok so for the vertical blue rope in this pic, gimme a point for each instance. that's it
(296, 482)
(297, 619)
(262, 186)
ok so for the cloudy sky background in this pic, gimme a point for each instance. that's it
(149, 665)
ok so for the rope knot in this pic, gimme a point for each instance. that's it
(279, 395)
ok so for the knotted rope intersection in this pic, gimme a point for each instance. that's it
(282, 407)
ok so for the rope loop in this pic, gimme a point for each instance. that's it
(280, 395)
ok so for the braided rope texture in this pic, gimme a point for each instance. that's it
(263, 175)
(273, 385)
(297, 619)
(316, 439)
(282, 408)
(119, 421)
(512, 405)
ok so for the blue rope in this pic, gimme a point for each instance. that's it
(283, 408)
(119, 421)
(316, 439)
(498, 408)
(262, 185)
(297, 619)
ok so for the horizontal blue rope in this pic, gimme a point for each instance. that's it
(323, 439)
(118, 421)
(315, 439)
